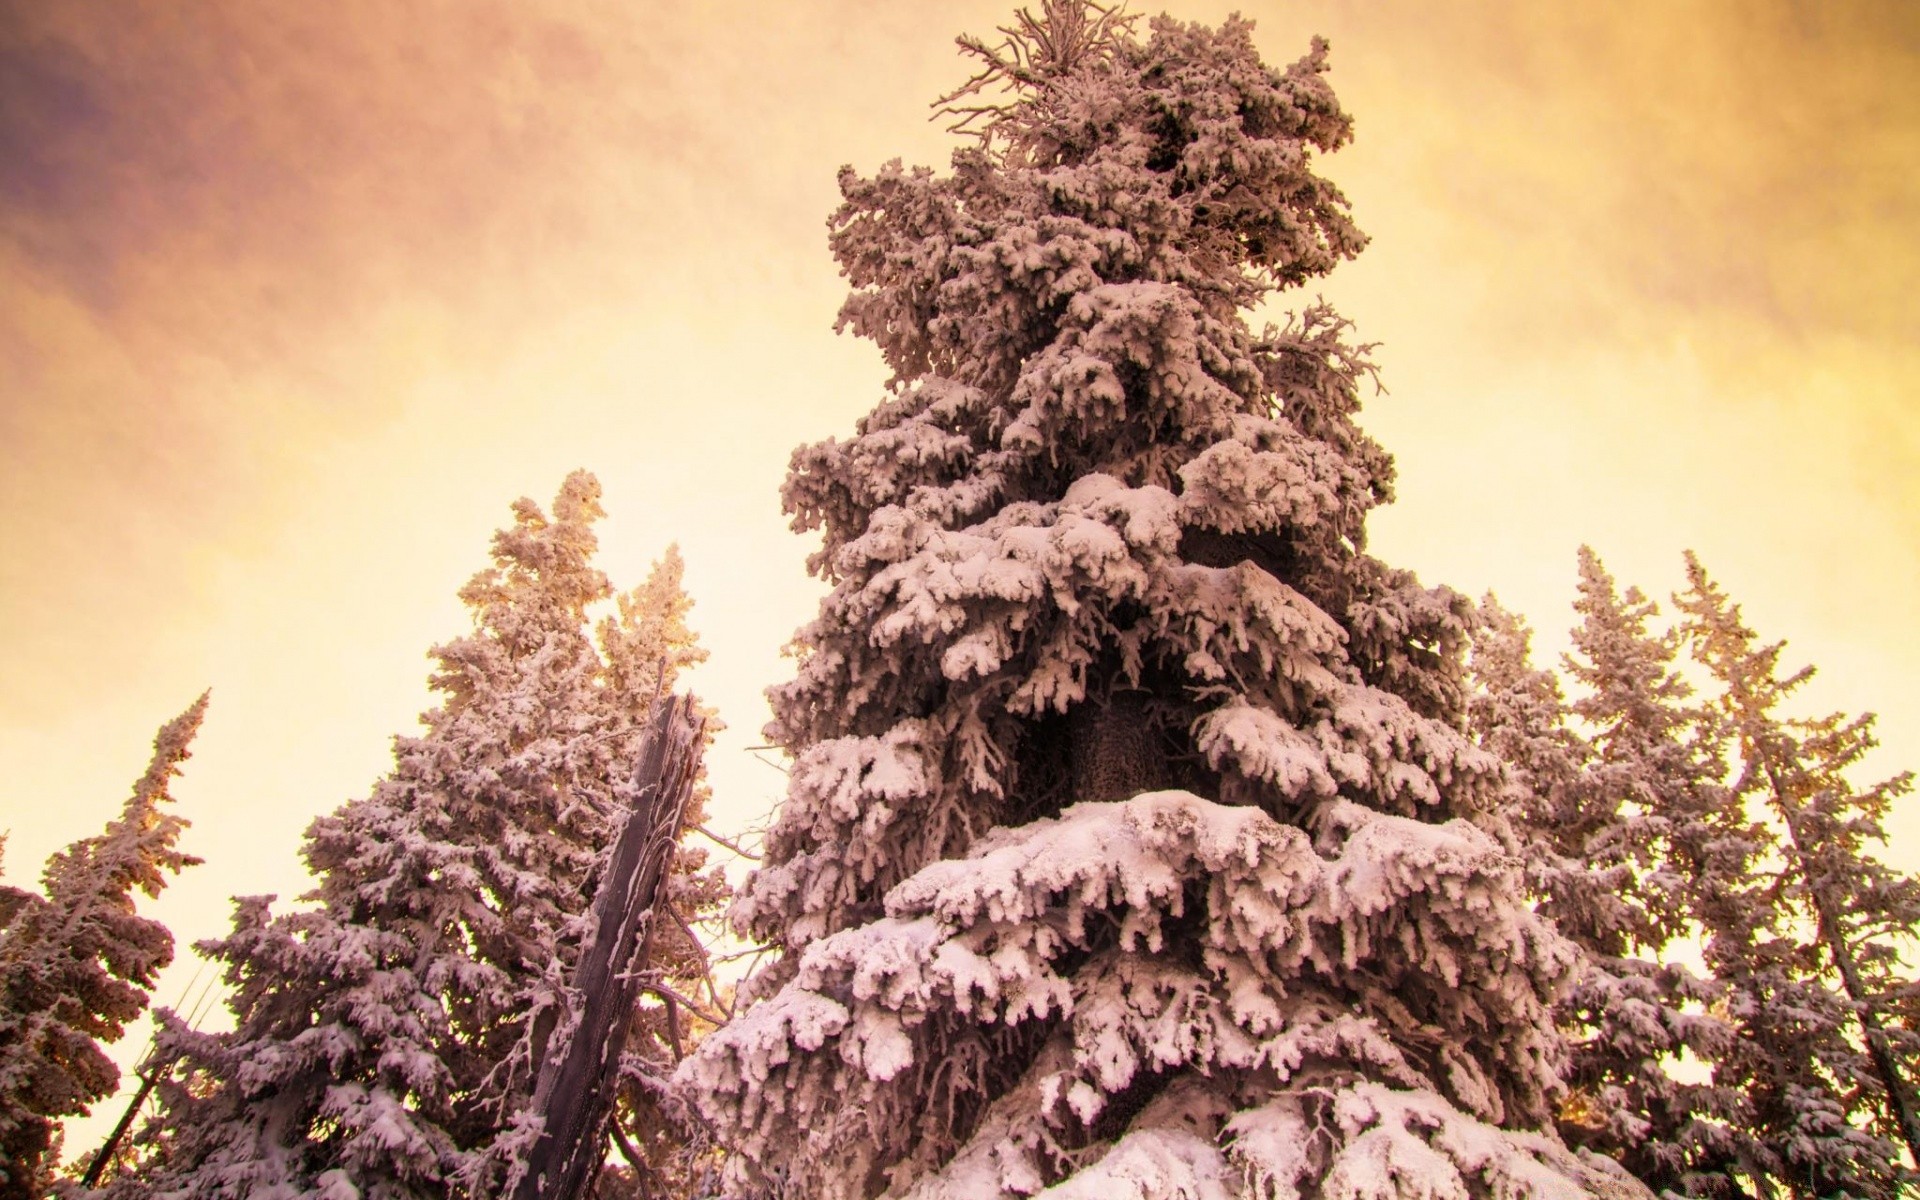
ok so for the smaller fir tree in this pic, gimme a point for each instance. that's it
(1810, 947)
(1628, 834)
(388, 1033)
(663, 1148)
(78, 964)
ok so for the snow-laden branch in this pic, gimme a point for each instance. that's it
(1170, 934)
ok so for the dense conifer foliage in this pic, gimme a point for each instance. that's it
(77, 963)
(1130, 848)
(1810, 944)
(388, 1029)
(1663, 826)
(1618, 811)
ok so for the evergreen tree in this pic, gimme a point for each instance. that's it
(1128, 849)
(1625, 829)
(1518, 713)
(1658, 767)
(1810, 947)
(388, 1032)
(78, 963)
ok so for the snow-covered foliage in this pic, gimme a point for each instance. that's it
(77, 963)
(1810, 943)
(1129, 847)
(1626, 834)
(1174, 996)
(387, 1031)
(1654, 819)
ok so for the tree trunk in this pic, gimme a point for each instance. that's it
(574, 1095)
(120, 1127)
(1114, 750)
(1834, 935)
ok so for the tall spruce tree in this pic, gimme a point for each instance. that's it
(387, 1033)
(1810, 948)
(1127, 850)
(78, 963)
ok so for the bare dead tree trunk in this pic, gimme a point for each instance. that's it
(112, 1145)
(574, 1094)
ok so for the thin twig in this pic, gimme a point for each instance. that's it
(715, 838)
(737, 955)
(665, 992)
(640, 1169)
(200, 1006)
(767, 762)
(706, 962)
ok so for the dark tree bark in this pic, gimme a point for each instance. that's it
(574, 1095)
(112, 1145)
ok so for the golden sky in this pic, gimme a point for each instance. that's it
(297, 298)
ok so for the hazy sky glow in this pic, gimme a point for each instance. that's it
(297, 298)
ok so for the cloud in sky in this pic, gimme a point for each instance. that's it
(1702, 156)
(236, 237)
(234, 233)
(1672, 242)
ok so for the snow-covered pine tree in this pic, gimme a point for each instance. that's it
(1810, 948)
(1659, 767)
(78, 963)
(1126, 849)
(1626, 831)
(389, 1031)
(1518, 713)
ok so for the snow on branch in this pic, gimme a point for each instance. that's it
(1162, 934)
